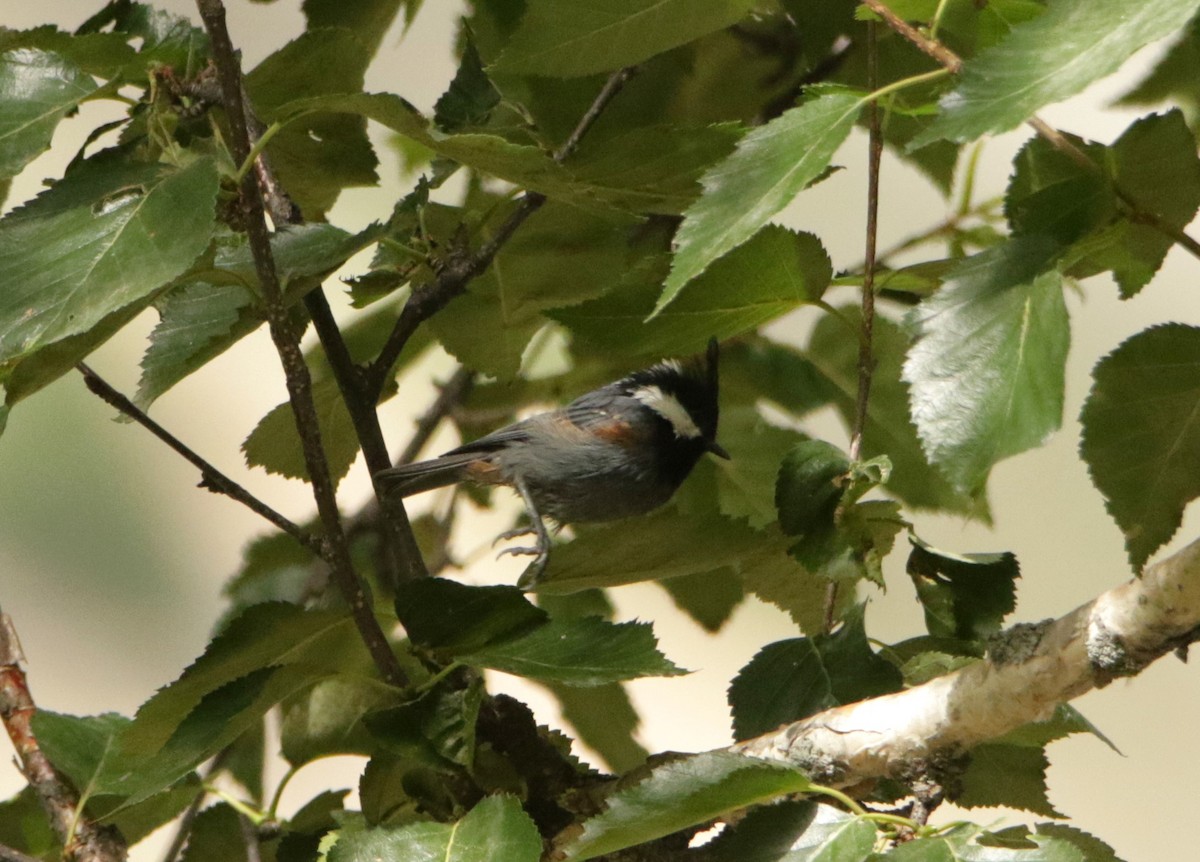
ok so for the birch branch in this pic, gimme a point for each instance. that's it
(1030, 670)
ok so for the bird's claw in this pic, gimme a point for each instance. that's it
(512, 534)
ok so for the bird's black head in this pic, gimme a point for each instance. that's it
(685, 396)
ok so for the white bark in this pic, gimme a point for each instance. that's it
(1035, 668)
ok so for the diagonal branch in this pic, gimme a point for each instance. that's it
(430, 298)
(210, 477)
(1029, 671)
(287, 344)
(1051, 135)
(83, 840)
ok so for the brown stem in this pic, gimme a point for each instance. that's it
(210, 477)
(1051, 135)
(287, 345)
(430, 298)
(83, 840)
(401, 558)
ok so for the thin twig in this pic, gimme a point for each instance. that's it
(452, 393)
(430, 298)
(1051, 135)
(10, 854)
(83, 840)
(287, 344)
(210, 477)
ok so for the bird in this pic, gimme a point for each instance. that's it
(615, 452)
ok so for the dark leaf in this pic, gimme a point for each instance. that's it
(965, 596)
(1141, 434)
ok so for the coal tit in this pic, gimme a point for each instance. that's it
(618, 451)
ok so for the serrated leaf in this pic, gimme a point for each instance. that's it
(794, 831)
(566, 38)
(809, 487)
(1173, 79)
(775, 577)
(435, 730)
(1141, 434)
(495, 830)
(793, 679)
(965, 596)
(1047, 59)
(37, 89)
(585, 652)
(100, 54)
(889, 429)
(661, 545)
(776, 271)
(441, 614)
(1092, 848)
(1158, 170)
(471, 96)
(319, 155)
(275, 445)
(1052, 195)
(987, 364)
(605, 720)
(676, 795)
(771, 165)
(165, 39)
(63, 257)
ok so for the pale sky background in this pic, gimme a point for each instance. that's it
(112, 561)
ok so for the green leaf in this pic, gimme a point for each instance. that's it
(319, 155)
(495, 830)
(987, 364)
(37, 89)
(1141, 434)
(586, 652)
(969, 843)
(1158, 170)
(64, 256)
(664, 544)
(769, 168)
(275, 445)
(652, 169)
(216, 834)
(1092, 848)
(676, 795)
(368, 20)
(326, 719)
(1174, 77)
(471, 97)
(889, 429)
(794, 831)
(709, 598)
(566, 38)
(1052, 195)
(965, 596)
(1011, 770)
(561, 256)
(1047, 59)
(264, 636)
(101, 54)
(810, 487)
(435, 730)
(605, 720)
(441, 614)
(776, 271)
(793, 679)
(775, 577)
(165, 39)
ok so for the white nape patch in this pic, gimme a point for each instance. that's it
(668, 407)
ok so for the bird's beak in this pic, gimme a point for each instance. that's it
(716, 449)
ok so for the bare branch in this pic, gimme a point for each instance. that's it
(83, 840)
(1030, 670)
(211, 478)
(287, 344)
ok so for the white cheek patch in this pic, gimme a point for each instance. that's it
(669, 408)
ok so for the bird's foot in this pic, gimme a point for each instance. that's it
(512, 534)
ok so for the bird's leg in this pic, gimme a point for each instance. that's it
(541, 552)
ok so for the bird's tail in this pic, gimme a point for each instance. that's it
(423, 476)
